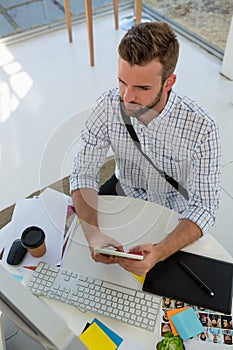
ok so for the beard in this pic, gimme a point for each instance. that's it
(141, 109)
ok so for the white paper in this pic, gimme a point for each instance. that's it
(130, 345)
(55, 205)
(5, 235)
(47, 212)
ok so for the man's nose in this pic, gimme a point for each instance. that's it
(129, 95)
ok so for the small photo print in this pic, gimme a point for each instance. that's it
(203, 317)
(227, 337)
(165, 328)
(179, 304)
(215, 335)
(167, 303)
(204, 336)
(164, 316)
(226, 322)
(214, 321)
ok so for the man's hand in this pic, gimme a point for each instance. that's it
(97, 239)
(141, 267)
(183, 234)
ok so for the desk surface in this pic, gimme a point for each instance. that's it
(130, 221)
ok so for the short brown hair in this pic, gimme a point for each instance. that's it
(148, 41)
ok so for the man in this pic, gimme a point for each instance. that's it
(175, 133)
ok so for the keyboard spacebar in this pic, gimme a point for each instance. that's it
(118, 288)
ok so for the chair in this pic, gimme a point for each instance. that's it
(138, 11)
(88, 11)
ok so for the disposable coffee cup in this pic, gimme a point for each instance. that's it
(33, 238)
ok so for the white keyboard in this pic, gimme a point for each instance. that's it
(134, 307)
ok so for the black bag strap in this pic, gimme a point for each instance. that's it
(162, 173)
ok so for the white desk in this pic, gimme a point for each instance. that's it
(131, 221)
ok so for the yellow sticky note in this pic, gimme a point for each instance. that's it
(140, 279)
(96, 339)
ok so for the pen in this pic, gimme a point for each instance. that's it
(195, 277)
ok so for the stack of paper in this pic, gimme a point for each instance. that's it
(53, 212)
(97, 336)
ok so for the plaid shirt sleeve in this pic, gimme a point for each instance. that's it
(205, 189)
(94, 146)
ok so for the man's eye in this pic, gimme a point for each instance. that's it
(145, 88)
(121, 82)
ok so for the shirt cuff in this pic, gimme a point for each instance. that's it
(201, 217)
(77, 181)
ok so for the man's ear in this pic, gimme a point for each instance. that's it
(169, 82)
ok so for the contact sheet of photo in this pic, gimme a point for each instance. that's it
(218, 326)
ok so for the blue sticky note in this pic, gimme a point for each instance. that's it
(112, 335)
(187, 324)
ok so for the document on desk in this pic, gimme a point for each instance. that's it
(50, 212)
(4, 233)
(128, 344)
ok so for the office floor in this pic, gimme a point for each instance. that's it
(18, 16)
(46, 88)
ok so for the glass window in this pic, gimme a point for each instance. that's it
(209, 19)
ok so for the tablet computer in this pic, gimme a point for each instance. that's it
(168, 278)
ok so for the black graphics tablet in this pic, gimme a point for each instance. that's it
(169, 278)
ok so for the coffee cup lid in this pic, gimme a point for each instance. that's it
(32, 237)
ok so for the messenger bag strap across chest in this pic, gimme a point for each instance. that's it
(163, 174)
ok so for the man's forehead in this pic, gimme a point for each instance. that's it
(139, 75)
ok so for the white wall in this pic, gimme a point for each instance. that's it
(227, 64)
